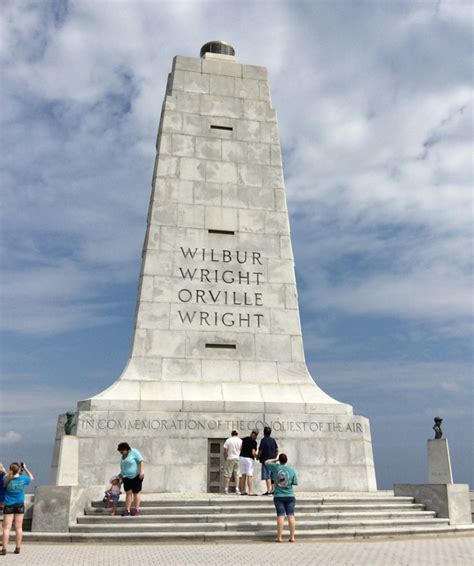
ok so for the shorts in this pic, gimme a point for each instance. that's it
(114, 498)
(247, 465)
(15, 509)
(133, 484)
(231, 467)
(266, 473)
(284, 506)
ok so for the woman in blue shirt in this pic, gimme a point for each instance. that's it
(132, 471)
(14, 508)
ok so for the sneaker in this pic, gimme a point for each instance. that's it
(226, 492)
(126, 513)
(237, 491)
(133, 512)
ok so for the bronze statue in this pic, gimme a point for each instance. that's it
(437, 428)
(69, 425)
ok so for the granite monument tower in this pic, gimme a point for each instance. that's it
(217, 341)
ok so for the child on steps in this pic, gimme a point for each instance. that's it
(112, 495)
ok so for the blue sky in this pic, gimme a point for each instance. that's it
(374, 102)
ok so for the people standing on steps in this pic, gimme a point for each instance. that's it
(132, 472)
(248, 453)
(14, 508)
(232, 447)
(268, 450)
(284, 497)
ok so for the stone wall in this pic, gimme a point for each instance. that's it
(330, 452)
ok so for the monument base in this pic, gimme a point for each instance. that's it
(450, 500)
(56, 507)
(331, 452)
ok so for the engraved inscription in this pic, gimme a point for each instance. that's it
(161, 424)
(215, 289)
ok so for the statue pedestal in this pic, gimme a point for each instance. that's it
(67, 472)
(439, 462)
(440, 494)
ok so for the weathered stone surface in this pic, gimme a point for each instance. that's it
(207, 148)
(207, 193)
(221, 172)
(222, 85)
(191, 124)
(247, 88)
(172, 121)
(196, 82)
(254, 72)
(187, 63)
(228, 68)
(269, 133)
(213, 105)
(234, 151)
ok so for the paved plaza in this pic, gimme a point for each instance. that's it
(452, 551)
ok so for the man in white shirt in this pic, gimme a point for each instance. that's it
(232, 448)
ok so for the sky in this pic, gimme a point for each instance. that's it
(374, 103)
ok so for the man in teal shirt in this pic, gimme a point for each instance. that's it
(132, 469)
(284, 497)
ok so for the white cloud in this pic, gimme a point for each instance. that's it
(373, 103)
(388, 376)
(49, 318)
(10, 437)
(415, 295)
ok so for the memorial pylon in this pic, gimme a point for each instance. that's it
(217, 341)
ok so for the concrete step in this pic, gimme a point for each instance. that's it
(232, 499)
(209, 518)
(233, 518)
(223, 536)
(250, 508)
(133, 526)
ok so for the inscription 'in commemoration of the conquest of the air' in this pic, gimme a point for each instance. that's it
(160, 424)
(229, 288)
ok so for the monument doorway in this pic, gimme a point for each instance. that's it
(215, 467)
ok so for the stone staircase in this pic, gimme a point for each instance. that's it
(235, 518)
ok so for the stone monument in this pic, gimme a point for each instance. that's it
(217, 340)
(440, 494)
